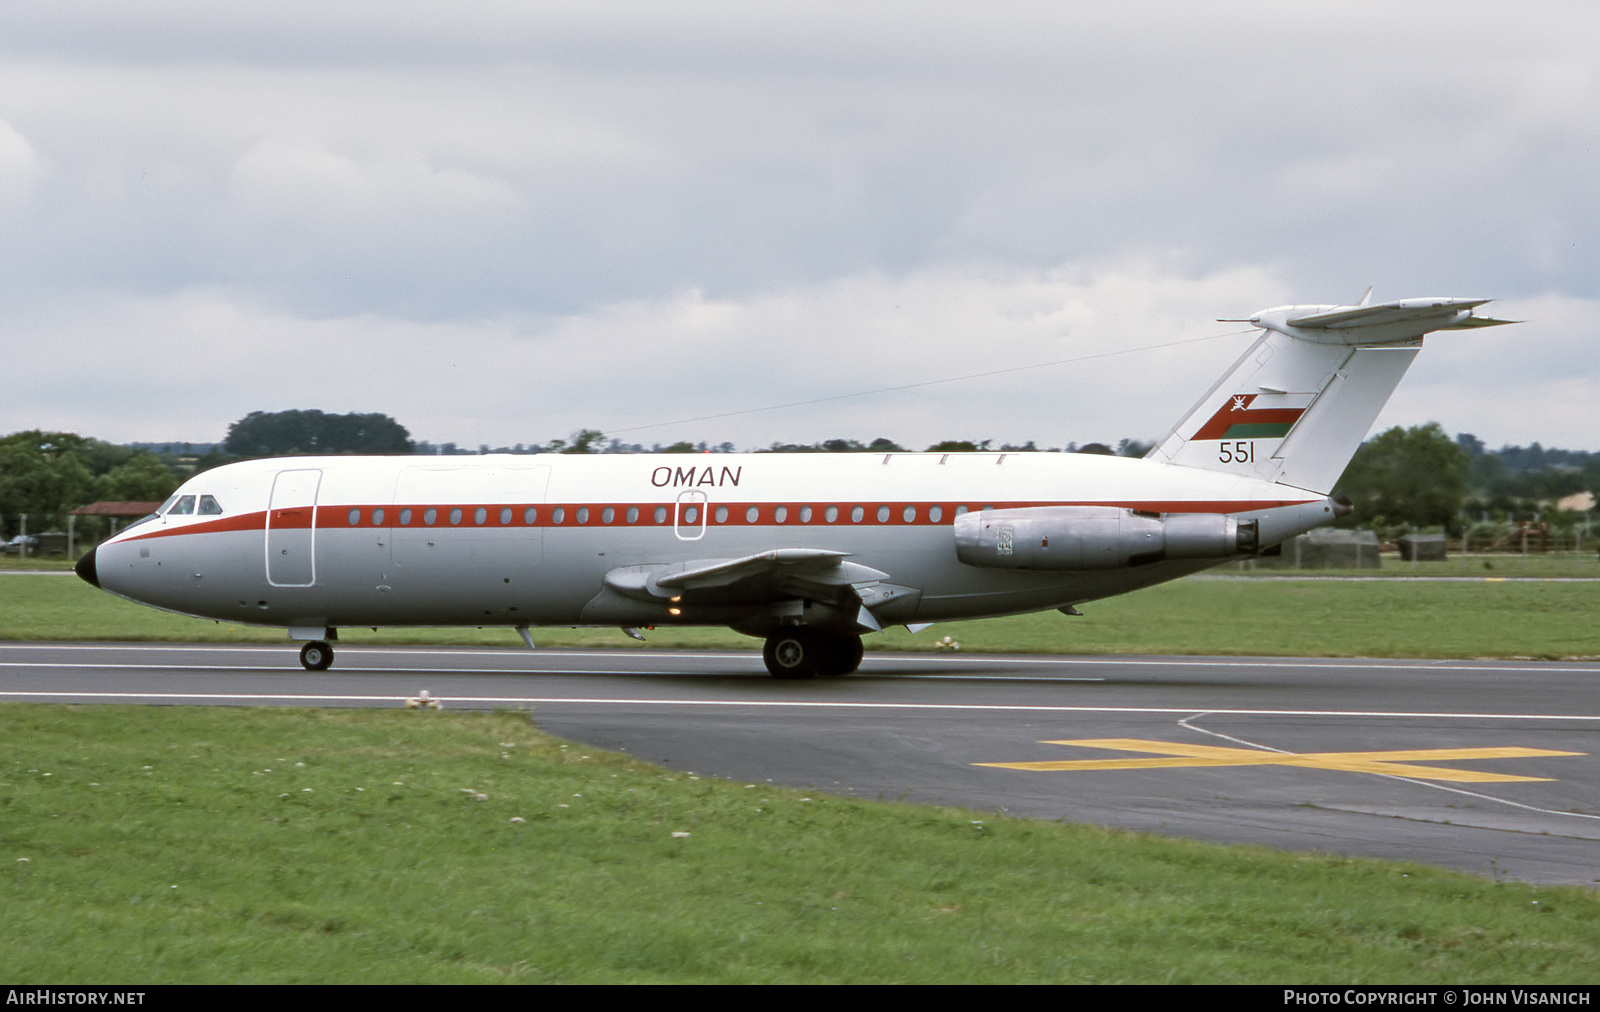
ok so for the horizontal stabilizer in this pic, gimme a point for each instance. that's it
(1388, 312)
(1386, 323)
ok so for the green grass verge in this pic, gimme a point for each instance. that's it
(148, 844)
(1283, 618)
(10, 563)
(1565, 564)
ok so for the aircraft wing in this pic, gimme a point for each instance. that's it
(772, 577)
(816, 563)
(779, 574)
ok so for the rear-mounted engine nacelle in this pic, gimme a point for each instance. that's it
(1096, 537)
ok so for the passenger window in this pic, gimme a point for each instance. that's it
(805, 514)
(184, 508)
(883, 514)
(831, 514)
(780, 514)
(936, 513)
(722, 514)
(633, 514)
(661, 514)
(856, 514)
(209, 507)
(752, 514)
(354, 517)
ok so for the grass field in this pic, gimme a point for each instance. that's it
(1390, 618)
(151, 844)
(1566, 564)
(223, 845)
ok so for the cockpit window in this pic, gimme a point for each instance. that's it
(184, 507)
(166, 505)
(209, 507)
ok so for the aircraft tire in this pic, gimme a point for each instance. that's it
(840, 655)
(317, 656)
(853, 652)
(793, 655)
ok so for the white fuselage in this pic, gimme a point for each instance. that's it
(529, 540)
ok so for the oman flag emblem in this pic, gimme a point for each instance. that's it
(1256, 416)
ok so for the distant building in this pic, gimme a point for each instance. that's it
(119, 510)
(113, 511)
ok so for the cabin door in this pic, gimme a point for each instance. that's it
(292, 528)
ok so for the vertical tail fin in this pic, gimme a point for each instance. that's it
(1295, 406)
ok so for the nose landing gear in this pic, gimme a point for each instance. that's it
(316, 656)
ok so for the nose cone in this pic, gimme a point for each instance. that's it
(85, 569)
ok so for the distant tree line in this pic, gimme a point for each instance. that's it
(1421, 478)
(284, 433)
(47, 474)
(594, 441)
(1515, 480)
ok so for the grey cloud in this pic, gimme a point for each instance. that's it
(411, 165)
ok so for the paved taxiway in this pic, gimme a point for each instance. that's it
(1491, 767)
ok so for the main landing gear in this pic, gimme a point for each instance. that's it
(802, 653)
(316, 656)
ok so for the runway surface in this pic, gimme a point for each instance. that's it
(1485, 766)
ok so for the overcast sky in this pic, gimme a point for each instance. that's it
(501, 222)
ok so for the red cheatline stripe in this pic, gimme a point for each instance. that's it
(330, 517)
(241, 522)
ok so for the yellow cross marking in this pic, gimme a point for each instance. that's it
(1398, 763)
